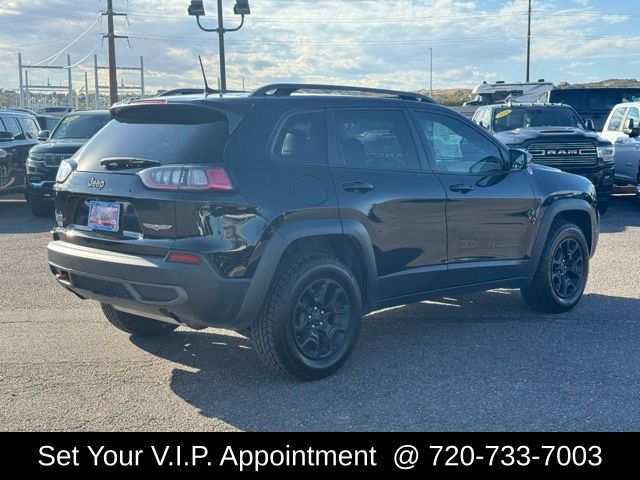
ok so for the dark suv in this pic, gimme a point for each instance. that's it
(69, 135)
(556, 136)
(18, 134)
(287, 216)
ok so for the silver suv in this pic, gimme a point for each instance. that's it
(623, 130)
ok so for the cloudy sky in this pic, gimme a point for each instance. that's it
(364, 42)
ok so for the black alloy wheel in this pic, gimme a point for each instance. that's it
(567, 268)
(321, 318)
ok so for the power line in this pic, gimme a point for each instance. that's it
(496, 15)
(324, 43)
(52, 58)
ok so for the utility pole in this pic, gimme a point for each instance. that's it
(86, 91)
(20, 78)
(96, 80)
(529, 41)
(431, 72)
(111, 37)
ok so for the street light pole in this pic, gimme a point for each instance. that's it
(241, 8)
(529, 41)
(223, 66)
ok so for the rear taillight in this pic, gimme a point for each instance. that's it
(186, 177)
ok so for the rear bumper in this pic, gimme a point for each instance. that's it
(191, 294)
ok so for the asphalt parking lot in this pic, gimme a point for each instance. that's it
(475, 362)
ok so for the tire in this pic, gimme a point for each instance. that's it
(39, 207)
(136, 325)
(603, 207)
(310, 320)
(561, 276)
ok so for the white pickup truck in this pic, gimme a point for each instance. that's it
(622, 128)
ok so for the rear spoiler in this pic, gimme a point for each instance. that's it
(159, 110)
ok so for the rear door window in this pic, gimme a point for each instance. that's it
(30, 127)
(374, 139)
(302, 139)
(11, 124)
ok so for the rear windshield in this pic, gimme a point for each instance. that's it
(511, 118)
(79, 126)
(164, 142)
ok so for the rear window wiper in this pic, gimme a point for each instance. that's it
(125, 163)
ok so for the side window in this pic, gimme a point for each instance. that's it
(634, 114)
(375, 139)
(30, 127)
(302, 139)
(616, 120)
(457, 147)
(2, 127)
(12, 126)
(480, 117)
(485, 119)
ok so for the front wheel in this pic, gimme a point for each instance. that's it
(562, 273)
(310, 320)
(135, 324)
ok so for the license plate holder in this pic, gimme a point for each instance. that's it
(104, 216)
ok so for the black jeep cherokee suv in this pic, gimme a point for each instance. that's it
(289, 216)
(556, 136)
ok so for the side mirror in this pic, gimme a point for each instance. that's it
(6, 136)
(631, 129)
(43, 135)
(589, 125)
(519, 159)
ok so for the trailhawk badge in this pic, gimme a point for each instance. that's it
(156, 227)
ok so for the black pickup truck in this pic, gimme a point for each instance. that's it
(556, 136)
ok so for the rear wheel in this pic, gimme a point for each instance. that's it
(562, 273)
(310, 320)
(39, 206)
(135, 324)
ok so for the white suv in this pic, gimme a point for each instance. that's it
(623, 130)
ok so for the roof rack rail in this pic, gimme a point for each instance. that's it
(286, 89)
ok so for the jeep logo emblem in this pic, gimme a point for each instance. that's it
(95, 183)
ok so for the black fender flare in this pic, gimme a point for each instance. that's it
(551, 213)
(284, 236)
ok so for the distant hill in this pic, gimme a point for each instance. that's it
(457, 96)
(611, 83)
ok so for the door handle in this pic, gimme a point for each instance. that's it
(460, 188)
(360, 187)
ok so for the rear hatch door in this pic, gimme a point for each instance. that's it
(104, 203)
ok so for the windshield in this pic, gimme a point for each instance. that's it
(511, 118)
(80, 126)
